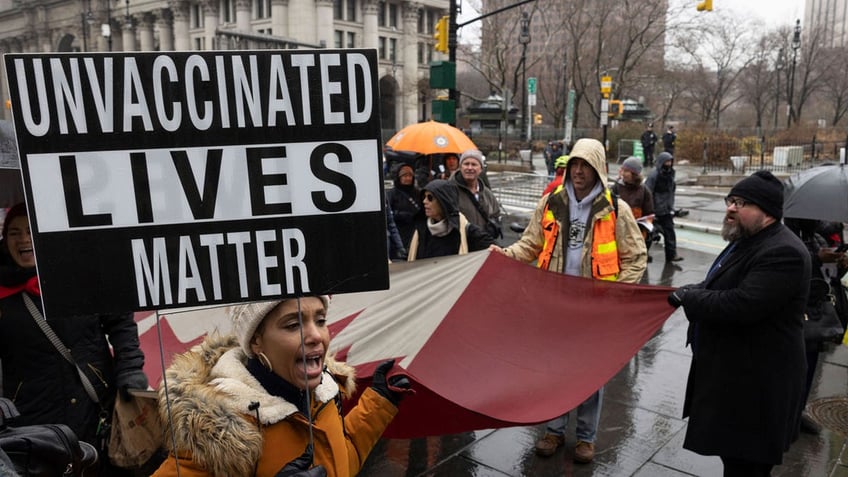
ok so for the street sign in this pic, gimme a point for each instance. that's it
(604, 112)
(606, 85)
(531, 99)
(531, 85)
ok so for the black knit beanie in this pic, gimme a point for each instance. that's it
(763, 189)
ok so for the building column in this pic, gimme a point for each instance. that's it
(370, 8)
(128, 34)
(179, 11)
(210, 22)
(279, 13)
(166, 32)
(409, 82)
(302, 22)
(145, 32)
(324, 22)
(243, 15)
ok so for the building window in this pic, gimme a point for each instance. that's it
(381, 45)
(421, 47)
(351, 39)
(338, 35)
(381, 14)
(261, 9)
(351, 10)
(196, 15)
(265, 31)
(227, 10)
(393, 15)
(198, 44)
(392, 48)
(338, 10)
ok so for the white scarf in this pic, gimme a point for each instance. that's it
(438, 229)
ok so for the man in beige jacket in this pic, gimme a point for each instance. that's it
(580, 229)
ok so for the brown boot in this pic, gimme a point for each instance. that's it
(547, 445)
(584, 452)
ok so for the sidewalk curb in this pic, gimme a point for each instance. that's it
(697, 226)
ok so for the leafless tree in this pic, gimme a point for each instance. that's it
(834, 90)
(810, 70)
(717, 52)
(758, 80)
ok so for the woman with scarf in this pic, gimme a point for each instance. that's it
(443, 229)
(268, 400)
(45, 388)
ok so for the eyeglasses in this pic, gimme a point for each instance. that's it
(406, 174)
(737, 201)
(429, 197)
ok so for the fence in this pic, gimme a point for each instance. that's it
(745, 155)
(518, 189)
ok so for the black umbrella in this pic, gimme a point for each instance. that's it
(819, 193)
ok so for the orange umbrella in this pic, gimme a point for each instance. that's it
(431, 137)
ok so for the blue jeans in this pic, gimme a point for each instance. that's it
(588, 416)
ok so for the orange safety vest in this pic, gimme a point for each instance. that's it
(605, 265)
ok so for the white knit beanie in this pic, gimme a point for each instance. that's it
(248, 316)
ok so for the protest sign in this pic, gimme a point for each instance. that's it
(172, 179)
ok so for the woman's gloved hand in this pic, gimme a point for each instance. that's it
(395, 388)
(135, 379)
(300, 466)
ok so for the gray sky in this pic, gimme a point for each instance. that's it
(772, 12)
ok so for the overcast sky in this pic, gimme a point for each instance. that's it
(771, 12)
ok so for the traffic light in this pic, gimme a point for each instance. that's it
(441, 35)
(706, 5)
(615, 108)
(537, 118)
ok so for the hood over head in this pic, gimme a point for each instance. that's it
(662, 158)
(591, 151)
(395, 174)
(447, 193)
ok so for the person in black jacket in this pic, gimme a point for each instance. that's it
(45, 388)
(439, 231)
(746, 382)
(403, 199)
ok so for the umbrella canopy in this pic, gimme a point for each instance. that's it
(431, 137)
(819, 193)
(487, 341)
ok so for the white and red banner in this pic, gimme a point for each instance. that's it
(176, 179)
(487, 341)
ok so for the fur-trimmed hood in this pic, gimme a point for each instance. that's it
(212, 397)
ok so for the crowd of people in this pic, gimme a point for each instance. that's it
(266, 399)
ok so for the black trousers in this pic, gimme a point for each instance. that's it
(744, 468)
(666, 226)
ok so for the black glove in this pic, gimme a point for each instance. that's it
(676, 297)
(402, 254)
(300, 466)
(398, 382)
(134, 379)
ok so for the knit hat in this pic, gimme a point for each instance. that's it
(764, 190)
(472, 154)
(632, 164)
(561, 161)
(248, 316)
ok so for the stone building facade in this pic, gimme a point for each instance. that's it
(400, 30)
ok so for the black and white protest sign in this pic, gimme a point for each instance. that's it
(164, 180)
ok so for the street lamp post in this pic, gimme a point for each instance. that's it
(779, 65)
(106, 28)
(524, 39)
(796, 44)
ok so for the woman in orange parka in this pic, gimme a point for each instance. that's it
(239, 404)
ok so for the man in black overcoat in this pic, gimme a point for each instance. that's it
(746, 380)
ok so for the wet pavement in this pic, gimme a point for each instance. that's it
(641, 430)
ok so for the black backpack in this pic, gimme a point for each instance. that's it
(43, 450)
